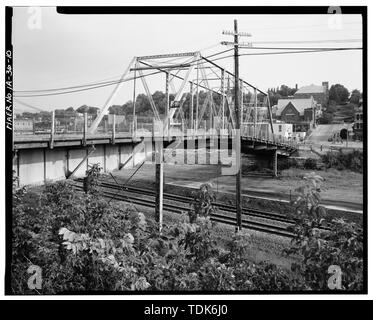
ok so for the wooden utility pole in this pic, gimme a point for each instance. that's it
(197, 101)
(191, 111)
(168, 126)
(85, 128)
(237, 107)
(255, 111)
(52, 130)
(223, 96)
(238, 127)
(159, 182)
(134, 104)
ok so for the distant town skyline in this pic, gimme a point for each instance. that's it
(73, 50)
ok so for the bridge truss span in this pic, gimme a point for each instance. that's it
(199, 96)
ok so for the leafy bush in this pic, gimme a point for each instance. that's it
(82, 244)
(321, 245)
(341, 161)
(310, 163)
(202, 202)
(287, 163)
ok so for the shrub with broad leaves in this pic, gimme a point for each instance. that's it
(83, 243)
(202, 203)
(322, 244)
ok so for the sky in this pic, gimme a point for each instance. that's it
(52, 50)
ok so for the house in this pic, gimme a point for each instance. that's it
(281, 128)
(23, 125)
(301, 113)
(319, 93)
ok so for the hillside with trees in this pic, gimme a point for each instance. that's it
(342, 104)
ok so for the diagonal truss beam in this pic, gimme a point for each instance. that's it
(185, 80)
(209, 90)
(202, 113)
(109, 101)
(152, 104)
(270, 112)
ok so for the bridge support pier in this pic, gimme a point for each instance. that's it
(274, 162)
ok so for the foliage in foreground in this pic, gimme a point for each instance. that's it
(323, 245)
(353, 161)
(81, 243)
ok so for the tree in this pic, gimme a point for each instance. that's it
(338, 93)
(82, 109)
(273, 97)
(286, 91)
(280, 92)
(143, 107)
(118, 109)
(88, 109)
(28, 115)
(355, 96)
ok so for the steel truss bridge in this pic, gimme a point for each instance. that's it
(203, 98)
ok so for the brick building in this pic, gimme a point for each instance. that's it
(319, 93)
(301, 113)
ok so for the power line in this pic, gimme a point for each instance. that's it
(28, 105)
(91, 85)
(303, 26)
(310, 41)
(300, 51)
(67, 88)
(299, 48)
(109, 83)
(288, 52)
(85, 89)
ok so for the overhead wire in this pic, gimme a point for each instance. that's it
(287, 52)
(297, 48)
(89, 86)
(97, 85)
(309, 41)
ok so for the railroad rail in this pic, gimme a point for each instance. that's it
(131, 194)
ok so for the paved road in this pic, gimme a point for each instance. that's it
(323, 132)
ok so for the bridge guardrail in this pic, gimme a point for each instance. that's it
(148, 126)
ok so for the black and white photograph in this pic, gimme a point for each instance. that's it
(180, 151)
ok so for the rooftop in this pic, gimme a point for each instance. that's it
(299, 104)
(311, 89)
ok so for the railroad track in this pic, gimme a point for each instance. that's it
(221, 206)
(131, 194)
